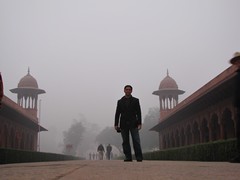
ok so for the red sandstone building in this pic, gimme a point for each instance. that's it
(19, 124)
(206, 115)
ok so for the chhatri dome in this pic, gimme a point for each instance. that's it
(168, 83)
(168, 86)
(28, 81)
(27, 86)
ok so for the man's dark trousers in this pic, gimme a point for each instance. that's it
(136, 143)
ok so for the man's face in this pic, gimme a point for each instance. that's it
(128, 91)
(237, 64)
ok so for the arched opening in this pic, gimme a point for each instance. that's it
(164, 142)
(27, 142)
(215, 128)
(188, 135)
(182, 137)
(31, 142)
(228, 125)
(12, 138)
(1, 136)
(177, 139)
(22, 141)
(196, 133)
(172, 140)
(167, 141)
(5, 136)
(205, 131)
(16, 140)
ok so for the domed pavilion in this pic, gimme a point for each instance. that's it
(168, 93)
(27, 93)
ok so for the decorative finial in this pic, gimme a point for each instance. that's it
(167, 73)
(28, 70)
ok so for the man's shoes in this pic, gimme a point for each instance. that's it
(139, 160)
(127, 160)
(235, 159)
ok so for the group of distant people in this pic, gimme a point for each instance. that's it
(93, 156)
(100, 153)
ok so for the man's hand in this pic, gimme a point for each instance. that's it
(118, 129)
(139, 127)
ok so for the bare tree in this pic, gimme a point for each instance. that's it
(150, 139)
(73, 137)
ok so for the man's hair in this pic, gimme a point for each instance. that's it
(128, 86)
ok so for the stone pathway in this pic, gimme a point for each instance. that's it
(119, 170)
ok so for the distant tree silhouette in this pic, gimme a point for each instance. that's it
(73, 137)
(150, 139)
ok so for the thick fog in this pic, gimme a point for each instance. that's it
(82, 53)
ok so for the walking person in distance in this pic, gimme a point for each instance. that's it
(128, 120)
(109, 151)
(100, 151)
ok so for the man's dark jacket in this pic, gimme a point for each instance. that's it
(129, 112)
(237, 91)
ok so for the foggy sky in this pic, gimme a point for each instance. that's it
(82, 53)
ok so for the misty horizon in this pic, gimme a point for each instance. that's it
(83, 53)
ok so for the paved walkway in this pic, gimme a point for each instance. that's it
(119, 170)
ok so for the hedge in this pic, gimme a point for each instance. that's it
(222, 150)
(20, 156)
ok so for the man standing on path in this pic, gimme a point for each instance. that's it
(128, 111)
(236, 62)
